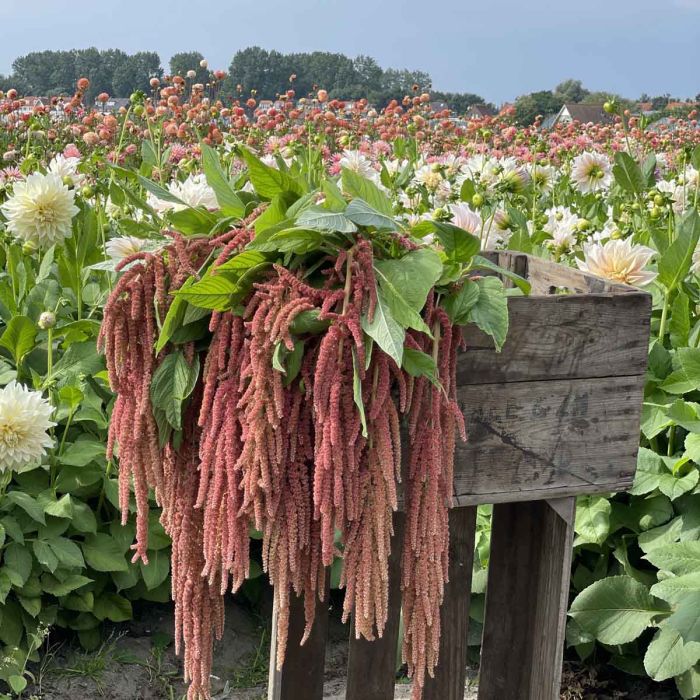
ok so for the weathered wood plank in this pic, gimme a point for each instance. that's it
(550, 438)
(565, 336)
(450, 674)
(302, 674)
(372, 665)
(526, 597)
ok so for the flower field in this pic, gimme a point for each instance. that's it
(199, 301)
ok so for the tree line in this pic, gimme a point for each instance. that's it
(268, 73)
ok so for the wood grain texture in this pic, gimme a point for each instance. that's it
(528, 583)
(450, 674)
(550, 438)
(372, 665)
(557, 337)
(301, 677)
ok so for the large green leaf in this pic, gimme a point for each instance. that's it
(18, 337)
(668, 656)
(172, 383)
(686, 617)
(228, 200)
(490, 312)
(592, 520)
(686, 376)
(360, 187)
(385, 330)
(269, 182)
(361, 213)
(627, 173)
(679, 558)
(102, 553)
(616, 610)
(412, 276)
(675, 263)
(321, 219)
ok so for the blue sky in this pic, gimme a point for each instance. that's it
(498, 49)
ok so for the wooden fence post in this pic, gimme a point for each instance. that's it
(302, 674)
(526, 600)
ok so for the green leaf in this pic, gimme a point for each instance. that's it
(290, 240)
(320, 219)
(679, 325)
(649, 468)
(674, 486)
(80, 359)
(660, 536)
(385, 330)
(159, 191)
(28, 504)
(688, 683)
(412, 276)
(686, 617)
(687, 375)
(110, 606)
(103, 554)
(45, 555)
(17, 683)
(357, 392)
(157, 569)
(678, 558)
(67, 552)
(228, 200)
(669, 656)
(81, 453)
(18, 337)
(419, 364)
(490, 312)
(59, 588)
(459, 303)
(62, 508)
(676, 588)
(172, 383)
(18, 563)
(361, 213)
(213, 291)
(360, 187)
(627, 173)
(459, 245)
(269, 182)
(615, 610)
(675, 263)
(592, 520)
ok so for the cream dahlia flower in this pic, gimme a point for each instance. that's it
(618, 260)
(66, 168)
(40, 210)
(357, 162)
(192, 192)
(591, 172)
(25, 416)
(123, 247)
(465, 217)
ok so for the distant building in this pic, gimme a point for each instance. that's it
(583, 113)
(480, 111)
(113, 104)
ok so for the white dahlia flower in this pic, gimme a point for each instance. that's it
(123, 247)
(591, 172)
(618, 260)
(66, 168)
(192, 192)
(358, 163)
(40, 210)
(465, 217)
(25, 416)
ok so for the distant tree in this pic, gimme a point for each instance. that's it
(571, 91)
(186, 61)
(544, 102)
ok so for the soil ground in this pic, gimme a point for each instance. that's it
(137, 662)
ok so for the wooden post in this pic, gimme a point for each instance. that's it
(372, 665)
(526, 600)
(450, 674)
(302, 674)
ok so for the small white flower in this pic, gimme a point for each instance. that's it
(561, 226)
(544, 177)
(358, 163)
(618, 260)
(66, 168)
(465, 217)
(120, 248)
(40, 210)
(591, 172)
(193, 192)
(25, 416)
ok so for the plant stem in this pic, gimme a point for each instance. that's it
(664, 318)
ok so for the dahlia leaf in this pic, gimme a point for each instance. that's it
(228, 200)
(675, 263)
(357, 186)
(19, 337)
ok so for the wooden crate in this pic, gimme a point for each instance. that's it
(554, 415)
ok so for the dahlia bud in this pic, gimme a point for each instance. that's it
(29, 247)
(47, 320)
